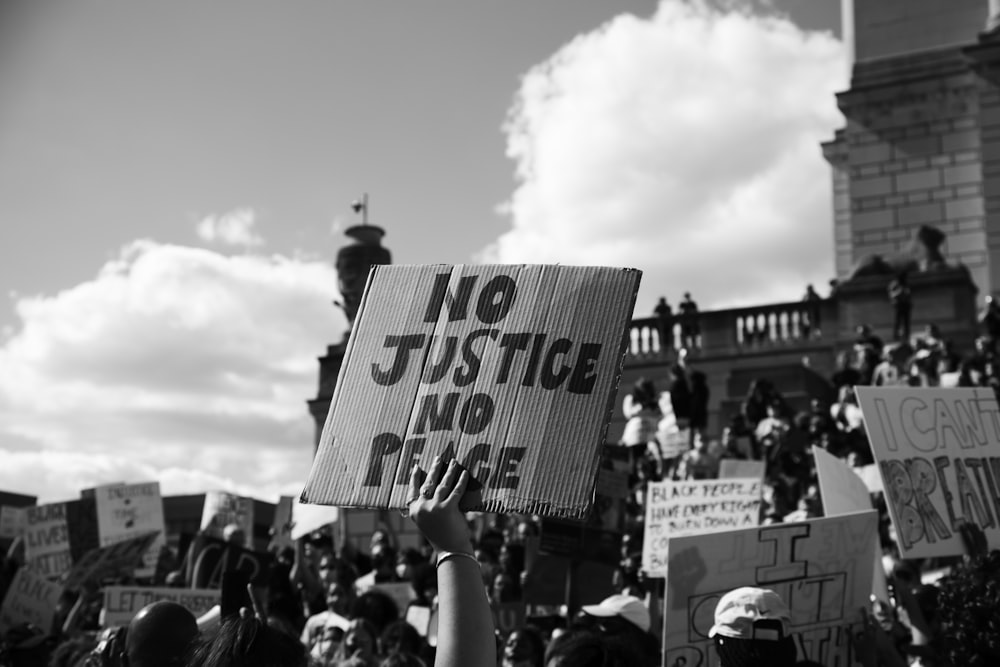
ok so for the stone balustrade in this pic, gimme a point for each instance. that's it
(734, 331)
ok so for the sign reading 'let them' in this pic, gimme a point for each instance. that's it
(510, 369)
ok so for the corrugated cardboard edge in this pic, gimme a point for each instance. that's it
(326, 457)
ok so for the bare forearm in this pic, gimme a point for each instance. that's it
(465, 622)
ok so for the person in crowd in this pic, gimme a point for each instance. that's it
(324, 631)
(383, 559)
(245, 640)
(989, 317)
(525, 647)
(642, 410)
(752, 629)
(624, 618)
(358, 647)
(465, 622)
(690, 328)
(698, 463)
(901, 298)
(811, 321)
(664, 322)
(893, 370)
(698, 414)
(161, 635)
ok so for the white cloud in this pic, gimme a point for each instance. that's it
(687, 145)
(233, 228)
(174, 363)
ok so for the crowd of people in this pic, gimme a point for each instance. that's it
(321, 603)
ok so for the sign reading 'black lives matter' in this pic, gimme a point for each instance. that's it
(510, 369)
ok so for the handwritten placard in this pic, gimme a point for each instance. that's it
(46, 540)
(938, 451)
(821, 568)
(30, 599)
(510, 369)
(127, 510)
(694, 506)
(222, 509)
(122, 603)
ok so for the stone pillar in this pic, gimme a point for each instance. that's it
(354, 262)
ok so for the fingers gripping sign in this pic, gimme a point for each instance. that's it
(434, 505)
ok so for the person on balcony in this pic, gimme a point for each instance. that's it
(664, 321)
(811, 322)
(901, 299)
(690, 330)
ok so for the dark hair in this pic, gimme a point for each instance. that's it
(246, 642)
(533, 636)
(377, 608)
(580, 648)
(754, 652)
(400, 637)
(968, 606)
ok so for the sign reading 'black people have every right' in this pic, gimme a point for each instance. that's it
(510, 369)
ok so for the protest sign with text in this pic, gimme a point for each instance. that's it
(222, 509)
(30, 599)
(127, 510)
(938, 451)
(821, 568)
(694, 506)
(510, 369)
(208, 558)
(46, 539)
(122, 603)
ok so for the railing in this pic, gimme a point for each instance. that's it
(735, 331)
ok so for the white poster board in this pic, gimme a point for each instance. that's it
(122, 603)
(30, 599)
(222, 509)
(938, 452)
(821, 568)
(694, 506)
(844, 492)
(46, 540)
(128, 510)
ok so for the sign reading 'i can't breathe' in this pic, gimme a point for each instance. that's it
(510, 369)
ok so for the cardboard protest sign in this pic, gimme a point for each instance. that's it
(30, 599)
(116, 560)
(694, 506)
(510, 369)
(46, 540)
(821, 568)
(938, 452)
(127, 510)
(209, 557)
(844, 492)
(738, 468)
(222, 509)
(122, 603)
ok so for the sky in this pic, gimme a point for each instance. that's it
(175, 178)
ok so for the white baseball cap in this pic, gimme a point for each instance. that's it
(738, 611)
(629, 607)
